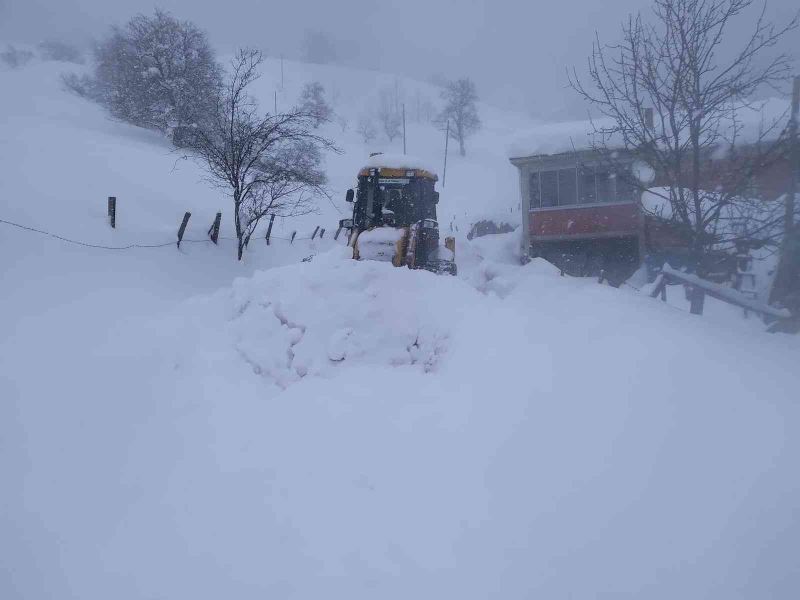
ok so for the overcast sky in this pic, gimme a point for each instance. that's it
(516, 50)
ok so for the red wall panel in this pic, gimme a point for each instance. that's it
(584, 222)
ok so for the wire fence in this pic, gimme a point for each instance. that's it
(137, 245)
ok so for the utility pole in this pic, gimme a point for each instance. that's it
(787, 279)
(794, 157)
(276, 102)
(404, 128)
(446, 143)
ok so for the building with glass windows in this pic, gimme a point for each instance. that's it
(583, 211)
(580, 212)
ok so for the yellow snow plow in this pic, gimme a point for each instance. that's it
(394, 216)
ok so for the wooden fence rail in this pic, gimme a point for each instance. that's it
(669, 275)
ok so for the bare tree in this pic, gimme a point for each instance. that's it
(343, 121)
(460, 109)
(268, 164)
(666, 93)
(157, 72)
(389, 118)
(312, 101)
(366, 128)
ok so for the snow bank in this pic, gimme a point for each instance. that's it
(344, 428)
(289, 323)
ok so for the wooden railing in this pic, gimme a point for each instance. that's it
(669, 276)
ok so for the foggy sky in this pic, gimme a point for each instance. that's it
(516, 50)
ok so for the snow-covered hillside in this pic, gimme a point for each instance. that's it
(174, 424)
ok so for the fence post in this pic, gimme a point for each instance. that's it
(112, 211)
(269, 228)
(183, 227)
(336, 235)
(697, 298)
(446, 142)
(313, 235)
(322, 233)
(213, 231)
(294, 233)
(602, 277)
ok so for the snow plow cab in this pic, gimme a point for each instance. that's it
(394, 216)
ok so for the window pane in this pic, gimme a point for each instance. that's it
(625, 189)
(534, 190)
(605, 187)
(567, 187)
(549, 183)
(587, 193)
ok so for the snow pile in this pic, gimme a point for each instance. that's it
(311, 319)
(379, 243)
(491, 262)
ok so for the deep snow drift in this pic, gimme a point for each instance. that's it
(346, 429)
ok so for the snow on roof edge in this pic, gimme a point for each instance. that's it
(547, 139)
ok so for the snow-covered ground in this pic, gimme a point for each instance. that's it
(174, 424)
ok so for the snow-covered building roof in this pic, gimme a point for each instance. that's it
(551, 138)
(752, 122)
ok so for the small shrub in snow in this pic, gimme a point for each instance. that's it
(15, 58)
(312, 102)
(344, 123)
(366, 129)
(82, 85)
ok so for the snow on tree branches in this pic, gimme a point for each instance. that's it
(157, 72)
